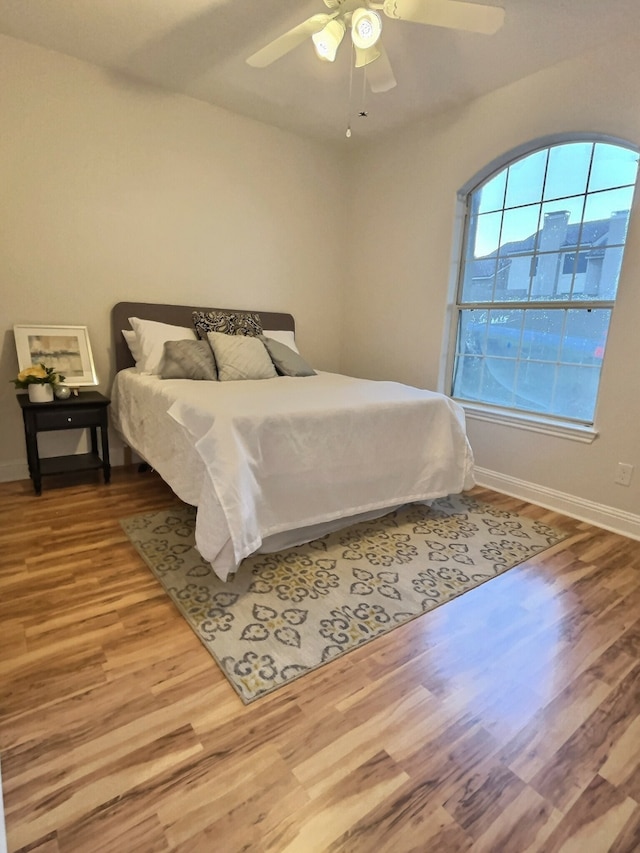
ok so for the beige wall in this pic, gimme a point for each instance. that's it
(403, 194)
(112, 191)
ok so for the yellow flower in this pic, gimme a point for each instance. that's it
(37, 372)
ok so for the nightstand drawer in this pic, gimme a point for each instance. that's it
(69, 419)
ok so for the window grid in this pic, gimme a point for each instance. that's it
(524, 362)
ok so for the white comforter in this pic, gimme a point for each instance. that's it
(266, 456)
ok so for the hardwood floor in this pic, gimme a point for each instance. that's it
(506, 721)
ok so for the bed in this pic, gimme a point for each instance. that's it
(274, 462)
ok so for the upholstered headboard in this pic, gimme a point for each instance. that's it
(176, 315)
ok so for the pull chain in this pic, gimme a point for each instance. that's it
(351, 64)
(363, 111)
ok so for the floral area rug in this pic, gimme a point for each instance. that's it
(286, 614)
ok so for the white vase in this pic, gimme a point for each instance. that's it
(40, 393)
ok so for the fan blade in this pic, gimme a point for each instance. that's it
(288, 41)
(380, 73)
(365, 55)
(453, 14)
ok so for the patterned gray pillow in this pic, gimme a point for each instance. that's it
(188, 360)
(228, 322)
(287, 362)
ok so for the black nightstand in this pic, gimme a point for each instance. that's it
(86, 411)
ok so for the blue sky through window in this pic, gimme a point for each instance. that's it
(565, 172)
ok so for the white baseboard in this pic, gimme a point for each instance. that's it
(608, 517)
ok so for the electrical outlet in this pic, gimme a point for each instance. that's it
(624, 474)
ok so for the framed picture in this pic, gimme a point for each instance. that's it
(66, 348)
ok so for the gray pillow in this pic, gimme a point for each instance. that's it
(287, 362)
(240, 357)
(188, 360)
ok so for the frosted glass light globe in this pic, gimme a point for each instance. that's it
(366, 27)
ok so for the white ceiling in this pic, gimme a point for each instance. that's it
(199, 47)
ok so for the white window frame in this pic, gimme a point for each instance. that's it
(532, 421)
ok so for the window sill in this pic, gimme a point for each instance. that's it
(557, 428)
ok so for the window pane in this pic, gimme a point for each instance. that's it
(564, 217)
(491, 195)
(576, 392)
(585, 336)
(525, 179)
(519, 229)
(568, 170)
(469, 361)
(573, 266)
(513, 283)
(574, 263)
(545, 282)
(479, 280)
(534, 386)
(498, 380)
(471, 345)
(484, 234)
(612, 167)
(468, 378)
(612, 209)
(542, 335)
(600, 281)
(503, 333)
(473, 332)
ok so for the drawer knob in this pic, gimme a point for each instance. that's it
(68, 420)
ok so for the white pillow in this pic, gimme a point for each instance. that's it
(240, 357)
(152, 337)
(283, 337)
(132, 342)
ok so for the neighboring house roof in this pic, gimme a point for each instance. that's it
(593, 233)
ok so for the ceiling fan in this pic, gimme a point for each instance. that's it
(362, 19)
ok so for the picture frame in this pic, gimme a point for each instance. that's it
(65, 348)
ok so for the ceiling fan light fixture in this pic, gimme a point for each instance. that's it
(366, 28)
(327, 41)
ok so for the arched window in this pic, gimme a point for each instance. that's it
(542, 250)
